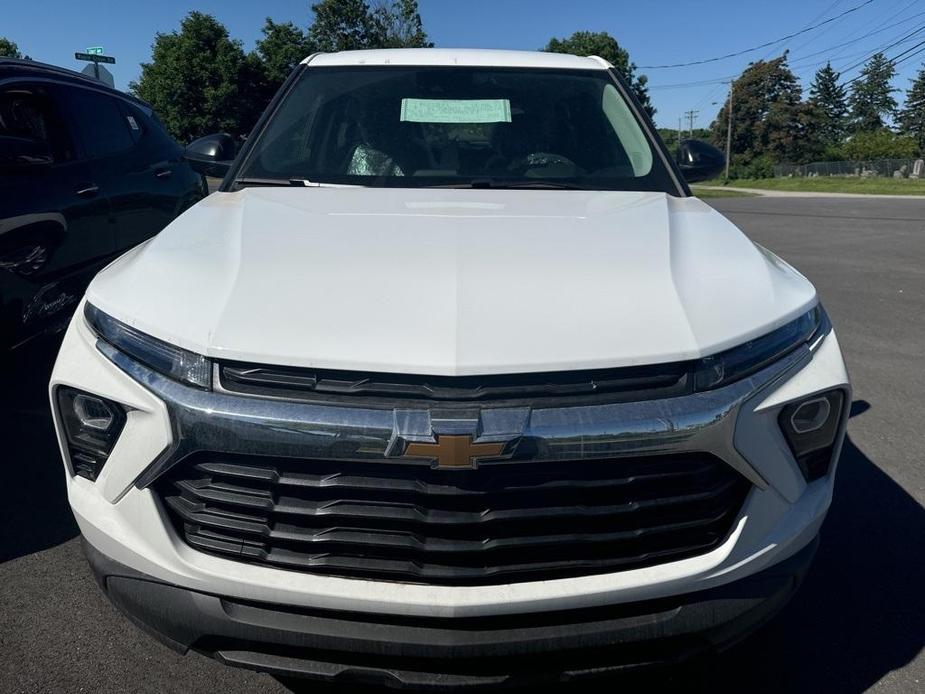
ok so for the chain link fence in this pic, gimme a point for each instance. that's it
(906, 168)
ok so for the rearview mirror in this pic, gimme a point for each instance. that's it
(211, 155)
(23, 153)
(699, 160)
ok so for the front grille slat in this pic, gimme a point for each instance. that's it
(360, 541)
(347, 512)
(622, 383)
(336, 481)
(399, 570)
(404, 521)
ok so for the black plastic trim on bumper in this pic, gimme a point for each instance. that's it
(400, 521)
(449, 653)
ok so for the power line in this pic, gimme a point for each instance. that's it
(893, 42)
(905, 56)
(810, 23)
(798, 65)
(883, 26)
(853, 35)
(802, 68)
(854, 41)
(699, 83)
(881, 49)
(763, 45)
(815, 38)
(894, 61)
(708, 96)
(909, 57)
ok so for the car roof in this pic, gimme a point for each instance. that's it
(10, 67)
(469, 57)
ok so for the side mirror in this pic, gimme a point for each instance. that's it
(24, 154)
(700, 160)
(211, 155)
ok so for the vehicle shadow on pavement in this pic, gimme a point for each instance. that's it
(34, 512)
(857, 617)
(860, 613)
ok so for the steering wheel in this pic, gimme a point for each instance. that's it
(541, 160)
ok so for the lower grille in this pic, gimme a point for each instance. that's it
(501, 523)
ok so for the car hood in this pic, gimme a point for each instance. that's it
(451, 281)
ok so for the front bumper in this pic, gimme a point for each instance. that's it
(449, 654)
(781, 515)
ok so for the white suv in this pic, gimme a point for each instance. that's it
(452, 384)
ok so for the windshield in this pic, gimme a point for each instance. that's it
(456, 126)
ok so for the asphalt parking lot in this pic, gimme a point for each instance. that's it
(857, 624)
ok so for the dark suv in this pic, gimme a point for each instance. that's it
(86, 172)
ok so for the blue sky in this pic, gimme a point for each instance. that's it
(655, 32)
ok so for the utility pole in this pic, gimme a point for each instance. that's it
(729, 129)
(691, 115)
(679, 132)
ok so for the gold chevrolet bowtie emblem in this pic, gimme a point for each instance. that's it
(454, 452)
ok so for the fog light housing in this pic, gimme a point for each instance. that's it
(92, 426)
(811, 426)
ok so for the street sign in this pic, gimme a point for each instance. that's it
(95, 55)
(100, 73)
(95, 58)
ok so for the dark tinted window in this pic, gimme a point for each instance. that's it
(103, 127)
(135, 121)
(29, 112)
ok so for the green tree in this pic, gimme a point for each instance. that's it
(605, 46)
(878, 144)
(872, 99)
(769, 119)
(398, 25)
(8, 49)
(342, 25)
(816, 137)
(199, 80)
(830, 107)
(912, 115)
(282, 47)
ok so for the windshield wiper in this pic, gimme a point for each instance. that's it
(289, 182)
(261, 182)
(475, 183)
(491, 183)
(537, 185)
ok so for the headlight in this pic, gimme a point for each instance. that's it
(736, 363)
(178, 364)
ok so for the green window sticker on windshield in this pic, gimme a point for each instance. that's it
(456, 110)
